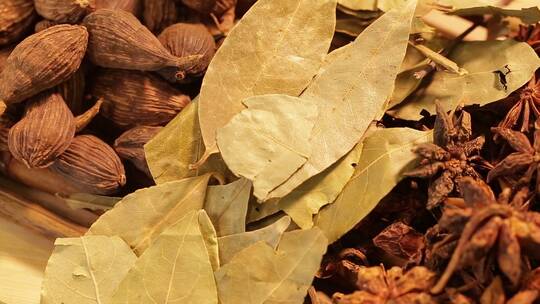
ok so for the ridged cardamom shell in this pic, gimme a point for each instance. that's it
(72, 90)
(45, 131)
(131, 6)
(132, 98)
(158, 14)
(92, 165)
(130, 145)
(222, 6)
(64, 11)
(186, 39)
(5, 124)
(4, 54)
(44, 24)
(202, 6)
(42, 61)
(16, 17)
(119, 40)
(44, 179)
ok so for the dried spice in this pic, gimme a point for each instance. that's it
(378, 286)
(452, 155)
(73, 90)
(16, 17)
(42, 61)
(4, 54)
(44, 24)
(521, 165)
(525, 109)
(5, 124)
(64, 11)
(401, 241)
(187, 39)
(222, 6)
(130, 145)
(503, 225)
(530, 34)
(119, 40)
(132, 98)
(134, 7)
(92, 165)
(45, 131)
(159, 14)
(202, 6)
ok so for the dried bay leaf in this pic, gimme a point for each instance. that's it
(227, 206)
(139, 218)
(276, 47)
(259, 274)
(305, 201)
(269, 140)
(385, 156)
(171, 152)
(90, 201)
(230, 245)
(369, 5)
(352, 90)
(483, 83)
(528, 15)
(86, 270)
(176, 268)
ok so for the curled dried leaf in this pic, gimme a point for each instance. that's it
(133, 98)
(65, 11)
(130, 145)
(92, 165)
(45, 131)
(16, 17)
(187, 39)
(42, 61)
(119, 40)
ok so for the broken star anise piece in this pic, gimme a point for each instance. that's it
(522, 164)
(526, 107)
(378, 286)
(452, 156)
(530, 34)
(401, 241)
(502, 226)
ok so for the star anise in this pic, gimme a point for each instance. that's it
(502, 226)
(452, 156)
(522, 164)
(378, 286)
(529, 34)
(401, 241)
(526, 107)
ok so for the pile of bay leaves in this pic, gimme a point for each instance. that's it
(279, 157)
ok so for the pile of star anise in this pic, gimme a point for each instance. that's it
(464, 227)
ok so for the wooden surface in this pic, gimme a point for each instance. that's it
(23, 257)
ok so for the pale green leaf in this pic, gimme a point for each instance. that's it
(90, 201)
(268, 141)
(177, 146)
(528, 15)
(258, 274)
(352, 90)
(140, 217)
(230, 245)
(276, 47)
(482, 84)
(227, 206)
(175, 269)
(86, 270)
(386, 154)
(305, 201)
